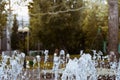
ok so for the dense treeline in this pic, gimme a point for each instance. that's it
(68, 24)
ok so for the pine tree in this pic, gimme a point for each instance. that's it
(14, 35)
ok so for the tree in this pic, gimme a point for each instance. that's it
(54, 25)
(3, 16)
(14, 35)
(3, 19)
(94, 18)
(60, 29)
(72, 24)
(113, 27)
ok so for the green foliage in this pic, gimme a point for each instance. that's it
(60, 30)
(14, 35)
(3, 16)
(72, 30)
(31, 63)
(94, 18)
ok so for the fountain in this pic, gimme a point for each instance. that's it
(45, 62)
(56, 63)
(83, 69)
(67, 57)
(11, 67)
(62, 57)
(99, 55)
(38, 61)
(118, 72)
(81, 52)
(46, 55)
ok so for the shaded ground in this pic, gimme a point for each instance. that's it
(34, 75)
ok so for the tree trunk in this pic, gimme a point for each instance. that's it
(113, 27)
(0, 45)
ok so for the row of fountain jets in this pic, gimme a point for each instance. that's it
(86, 67)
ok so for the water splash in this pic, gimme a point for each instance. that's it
(80, 69)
